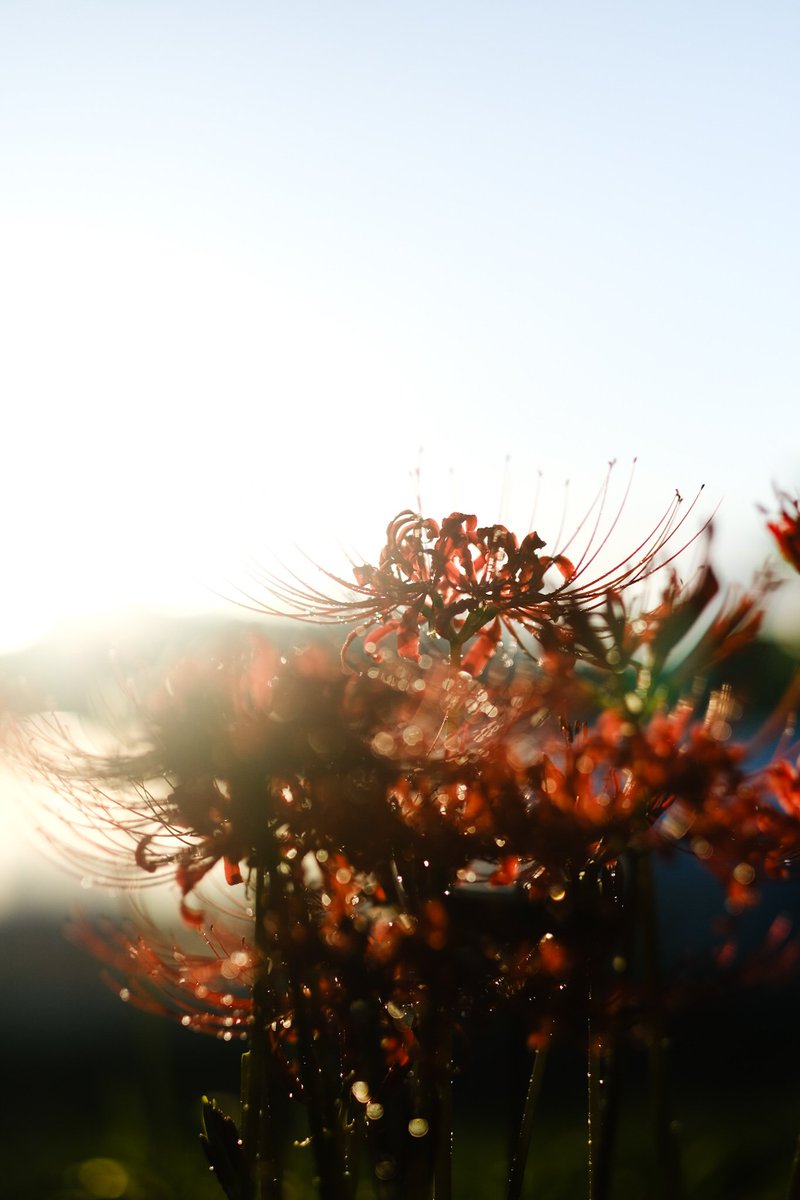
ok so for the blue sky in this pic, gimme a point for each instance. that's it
(254, 256)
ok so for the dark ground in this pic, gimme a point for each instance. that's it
(86, 1077)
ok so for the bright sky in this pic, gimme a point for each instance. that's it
(253, 256)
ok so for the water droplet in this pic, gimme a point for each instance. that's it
(743, 873)
(374, 1111)
(383, 743)
(360, 1090)
(418, 1127)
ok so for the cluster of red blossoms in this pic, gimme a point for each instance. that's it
(426, 822)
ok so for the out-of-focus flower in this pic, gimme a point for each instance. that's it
(786, 529)
(209, 990)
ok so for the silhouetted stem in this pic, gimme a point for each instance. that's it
(321, 1121)
(443, 1167)
(261, 1140)
(602, 1110)
(666, 1145)
(519, 1158)
(345, 1132)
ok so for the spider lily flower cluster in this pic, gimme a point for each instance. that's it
(424, 825)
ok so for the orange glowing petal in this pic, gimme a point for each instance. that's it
(408, 635)
(786, 531)
(786, 783)
(375, 636)
(482, 649)
(140, 855)
(506, 872)
(233, 875)
(191, 916)
(563, 564)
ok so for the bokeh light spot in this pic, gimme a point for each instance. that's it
(104, 1178)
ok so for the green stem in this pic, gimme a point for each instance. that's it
(522, 1148)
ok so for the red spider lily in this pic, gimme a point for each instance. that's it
(440, 831)
(240, 741)
(547, 808)
(404, 763)
(209, 991)
(786, 529)
(465, 583)
(784, 779)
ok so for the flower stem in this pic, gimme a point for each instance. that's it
(602, 1111)
(330, 1171)
(261, 1138)
(443, 1166)
(522, 1148)
(666, 1146)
